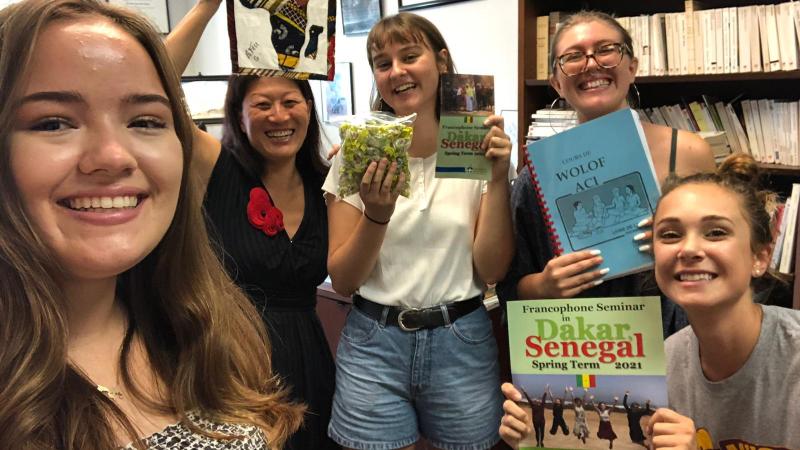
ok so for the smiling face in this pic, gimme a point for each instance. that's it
(407, 75)
(275, 117)
(702, 246)
(93, 149)
(595, 91)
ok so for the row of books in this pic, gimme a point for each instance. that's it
(785, 220)
(547, 122)
(766, 129)
(755, 38)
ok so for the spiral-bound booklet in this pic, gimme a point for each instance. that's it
(595, 183)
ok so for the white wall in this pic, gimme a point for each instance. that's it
(482, 35)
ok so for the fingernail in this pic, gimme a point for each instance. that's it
(605, 271)
(598, 282)
(594, 252)
(644, 248)
(639, 237)
(643, 222)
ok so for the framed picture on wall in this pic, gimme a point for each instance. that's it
(155, 10)
(408, 5)
(337, 95)
(358, 16)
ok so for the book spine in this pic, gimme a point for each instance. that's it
(547, 218)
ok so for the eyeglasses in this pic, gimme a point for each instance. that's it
(606, 56)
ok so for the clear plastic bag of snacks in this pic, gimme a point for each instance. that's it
(370, 137)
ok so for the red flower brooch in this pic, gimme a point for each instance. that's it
(262, 214)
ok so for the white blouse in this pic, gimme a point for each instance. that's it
(426, 256)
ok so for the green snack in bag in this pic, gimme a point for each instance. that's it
(363, 141)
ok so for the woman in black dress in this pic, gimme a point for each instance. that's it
(265, 211)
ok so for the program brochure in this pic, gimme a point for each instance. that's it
(465, 102)
(592, 370)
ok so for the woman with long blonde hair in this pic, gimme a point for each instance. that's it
(118, 327)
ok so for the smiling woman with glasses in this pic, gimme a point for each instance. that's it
(593, 69)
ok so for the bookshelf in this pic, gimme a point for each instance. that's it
(535, 94)
(655, 90)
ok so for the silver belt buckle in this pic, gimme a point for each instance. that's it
(400, 320)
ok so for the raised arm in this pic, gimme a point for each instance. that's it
(625, 401)
(181, 43)
(183, 39)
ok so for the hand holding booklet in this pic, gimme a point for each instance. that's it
(465, 103)
(595, 183)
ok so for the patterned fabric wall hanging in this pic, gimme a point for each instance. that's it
(288, 38)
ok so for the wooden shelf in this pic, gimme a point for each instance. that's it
(779, 169)
(706, 78)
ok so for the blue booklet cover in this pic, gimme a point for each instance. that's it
(595, 183)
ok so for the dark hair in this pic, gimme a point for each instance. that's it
(198, 330)
(739, 173)
(404, 28)
(309, 161)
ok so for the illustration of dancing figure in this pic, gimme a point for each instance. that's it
(537, 415)
(635, 413)
(580, 429)
(605, 431)
(558, 414)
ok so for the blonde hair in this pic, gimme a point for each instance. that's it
(203, 338)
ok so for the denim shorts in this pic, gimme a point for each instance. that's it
(393, 385)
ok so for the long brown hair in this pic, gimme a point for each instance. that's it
(199, 331)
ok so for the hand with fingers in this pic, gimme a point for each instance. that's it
(515, 424)
(568, 275)
(645, 238)
(497, 147)
(378, 191)
(333, 151)
(670, 430)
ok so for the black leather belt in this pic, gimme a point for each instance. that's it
(412, 319)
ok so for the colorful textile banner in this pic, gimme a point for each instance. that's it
(288, 38)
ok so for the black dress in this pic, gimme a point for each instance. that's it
(281, 277)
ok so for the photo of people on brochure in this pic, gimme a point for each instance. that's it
(576, 414)
(468, 94)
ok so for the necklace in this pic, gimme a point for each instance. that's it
(110, 393)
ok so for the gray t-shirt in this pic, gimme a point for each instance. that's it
(758, 405)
